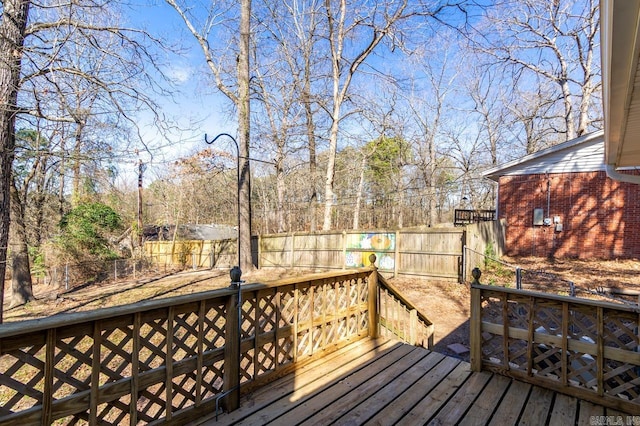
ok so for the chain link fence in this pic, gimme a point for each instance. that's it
(72, 275)
(503, 274)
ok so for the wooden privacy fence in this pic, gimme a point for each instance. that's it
(170, 361)
(432, 252)
(193, 253)
(587, 349)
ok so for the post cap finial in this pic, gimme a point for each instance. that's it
(236, 275)
(476, 273)
(372, 259)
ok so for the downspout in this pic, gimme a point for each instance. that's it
(622, 177)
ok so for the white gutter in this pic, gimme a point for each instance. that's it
(622, 177)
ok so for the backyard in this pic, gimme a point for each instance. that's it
(447, 304)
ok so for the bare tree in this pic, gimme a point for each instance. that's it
(344, 22)
(428, 106)
(294, 26)
(555, 41)
(73, 69)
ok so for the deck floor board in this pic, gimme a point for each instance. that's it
(381, 382)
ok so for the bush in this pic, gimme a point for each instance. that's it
(85, 229)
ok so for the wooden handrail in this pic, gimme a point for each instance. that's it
(584, 348)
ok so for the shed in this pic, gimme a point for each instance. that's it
(559, 202)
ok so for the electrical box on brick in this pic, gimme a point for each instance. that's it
(538, 216)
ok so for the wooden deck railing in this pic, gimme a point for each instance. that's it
(463, 217)
(398, 318)
(584, 348)
(171, 360)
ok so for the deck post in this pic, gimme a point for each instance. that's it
(231, 382)
(476, 329)
(373, 298)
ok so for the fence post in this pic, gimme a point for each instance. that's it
(193, 261)
(115, 270)
(292, 251)
(518, 278)
(66, 276)
(344, 249)
(259, 251)
(396, 255)
(464, 263)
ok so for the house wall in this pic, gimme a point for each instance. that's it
(600, 217)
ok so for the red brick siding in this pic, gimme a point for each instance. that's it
(600, 216)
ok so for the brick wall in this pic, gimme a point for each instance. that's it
(600, 217)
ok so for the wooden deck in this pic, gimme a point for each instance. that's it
(383, 382)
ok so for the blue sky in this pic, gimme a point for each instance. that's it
(196, 106)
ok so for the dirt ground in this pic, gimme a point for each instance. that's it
(447, 304)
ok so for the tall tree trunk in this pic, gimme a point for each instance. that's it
(356, 211)
(568, 109)
(21, 284)
(311, 140)
(432, 183)
(243, 105)
(12, 30)
(77, 190)
(281, 187)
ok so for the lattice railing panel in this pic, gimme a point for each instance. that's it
(72, 365)
(319, 302)
(621, 330)
(249, 313)
(583, 370)
(214, 327)
(285, 351)
(167, 358)
(247, 366)
(583, 325)
(492, 348)
(548, 319)
(115, 354)
(287, 307)
(305, 304)
(151, 403)
(581, 347)
(153, 344)
(266, 359)
(212, 379)
(342, 299)
(114, 412)
(491, 309)
(547, 361)
(518, 315)
(22, 375)
(183, 391)
(185, 335)
(518, 355)
(268, 320)
(622, 380)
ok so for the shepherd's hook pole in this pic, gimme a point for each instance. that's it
(237, 177)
